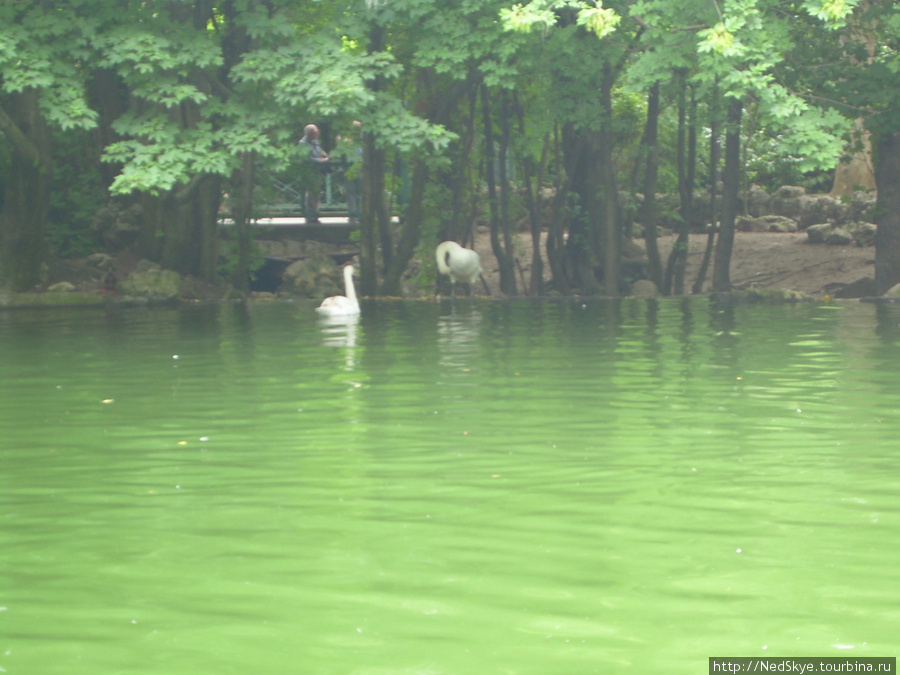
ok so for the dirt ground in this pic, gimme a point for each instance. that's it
(759, 260)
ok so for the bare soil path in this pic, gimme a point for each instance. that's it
(759, 260)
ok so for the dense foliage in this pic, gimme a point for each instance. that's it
(124, 123)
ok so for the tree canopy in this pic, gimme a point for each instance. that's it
(552, 108)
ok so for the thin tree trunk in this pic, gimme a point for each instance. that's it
(506, 254)
(648, 213)
(887, 236)
(730, 198)
(497, 225)
(244, 182)
(686, 169)
(368, 227)
(373, 211)
(556, 245)
(714, 158)
(409, 236)
(26, 190)
(532, 184)
(612, 258)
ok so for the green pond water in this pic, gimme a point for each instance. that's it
(521, 487)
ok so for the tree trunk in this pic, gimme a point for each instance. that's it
(730, 198)
(584, 247)
(714, 157)
(189, 223)
(374, 222)
(243, 183)
(687, 162)
(26, 191)
(648, 214)
(556, 244)
(459, 178)
(409, 236)
(887, 236)
(532, 183)
(499, 203)
(372, 174)
(858, 172)
(612, 235)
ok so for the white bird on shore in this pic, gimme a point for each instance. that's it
(458, 263)
(339, 305)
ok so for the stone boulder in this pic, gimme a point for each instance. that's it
(838, 236)
(861, 288)
(315, 277)
(766, 224)
(860, 206)
(815, 234)
(822, 209)
(758, 201)
(789, 201)
(893, 292)
(102, 261)
(861, 234)
(644, 288)
(149, 280)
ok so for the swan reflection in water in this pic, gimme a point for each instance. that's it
(341, 331)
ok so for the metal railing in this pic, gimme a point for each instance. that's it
(283, 194)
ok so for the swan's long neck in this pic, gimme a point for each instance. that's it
(442, 252)
(348, 283)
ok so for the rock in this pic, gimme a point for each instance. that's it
(838, 236)
(772, 295)
(150, 281)
(61, 287)
(861, 288)
(822, 209)
(757, 201)
(863, 233)
(789, 192)
(893, 292)
(827, 233)
(314, 277)
(644, 288)
(766, 224)
(101, 261)
(748, 224)
(816, 233)
(860, 206)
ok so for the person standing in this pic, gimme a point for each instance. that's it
(317, 168)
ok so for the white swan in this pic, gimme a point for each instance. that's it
(460, 264)
(339, 305)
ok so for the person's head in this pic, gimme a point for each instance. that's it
(311, 131)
